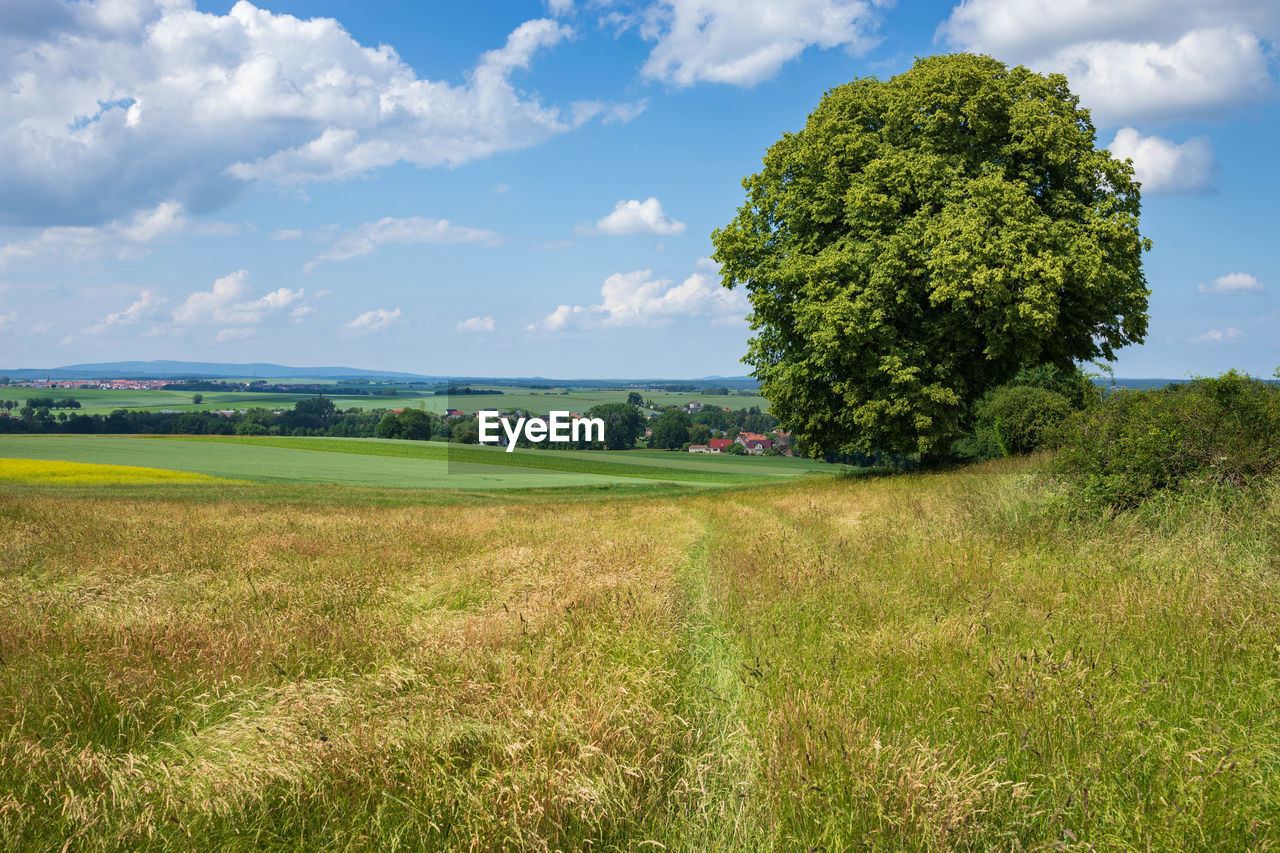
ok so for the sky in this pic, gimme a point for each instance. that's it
(529, 188)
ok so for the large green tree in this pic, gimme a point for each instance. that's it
(670, 430)
(923, 238)
(621, 424)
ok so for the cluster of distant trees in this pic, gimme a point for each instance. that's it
(264, 387)
(40, 403)
(318, 416)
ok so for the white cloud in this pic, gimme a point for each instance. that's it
(373, 321)
(287, 234)
(146, 305)
(560, 8)
(1233, 283)
(7, 320)
(126, 237)
(1133, 60)
(231, 305)
(743, 42)
(637, 299)
(365, 238)
(636, 217)
(476, 324)
(207, 101)
(1219, 336)
(234, 334)
(1163, 166)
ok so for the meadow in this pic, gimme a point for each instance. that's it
(539, 401)
(401, 464)
(932, 662)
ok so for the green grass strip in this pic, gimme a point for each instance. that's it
(438, 451)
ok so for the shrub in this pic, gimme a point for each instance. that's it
(1211, 431)
(1013, 419)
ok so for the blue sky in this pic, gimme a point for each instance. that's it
(528, 188)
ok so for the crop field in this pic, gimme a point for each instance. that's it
(927, 662)
(100, 401)
(401, 464)
(89, 473)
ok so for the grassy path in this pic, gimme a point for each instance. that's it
(926, 662)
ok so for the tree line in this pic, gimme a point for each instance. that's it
(319, 416)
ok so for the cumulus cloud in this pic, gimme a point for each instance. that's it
(366, 238)
(209, 101)
(476, 324)
(1163, 166)
(146, 305)
(1141, 59)
(636, 217)
(1219, 336)
(1233, 283)
(373, 321)
(743, 42)
(638, 299)
(125, 238)
(231, 305)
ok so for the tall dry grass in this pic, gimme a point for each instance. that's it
(925, 662)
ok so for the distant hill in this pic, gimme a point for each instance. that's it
(200, 369)
(261, 370)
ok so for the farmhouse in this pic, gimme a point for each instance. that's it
(701, 448)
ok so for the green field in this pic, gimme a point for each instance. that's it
(402, 464)
(924, 662)
(99, 401)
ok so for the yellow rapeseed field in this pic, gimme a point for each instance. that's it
(89, 473)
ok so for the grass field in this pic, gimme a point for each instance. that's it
(100, 401)
(401, 464)
(915, 662)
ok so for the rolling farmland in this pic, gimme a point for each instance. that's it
(104, 401)
(402, 464)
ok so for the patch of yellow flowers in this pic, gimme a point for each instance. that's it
(89, 473)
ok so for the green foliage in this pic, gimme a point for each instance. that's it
(924, 238)
(621, 424)
(1074, 384)
(415, 424)
(1211, 431)
(634, 399)
(670, 430)
(712, 416)
(1016, 419)
(317, 407)
(197, 399)
(389, 426)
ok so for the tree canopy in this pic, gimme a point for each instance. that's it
(670, 430)
(921, 240)
(621, 424)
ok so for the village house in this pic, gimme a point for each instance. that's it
(755, 443)
(701, 448)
